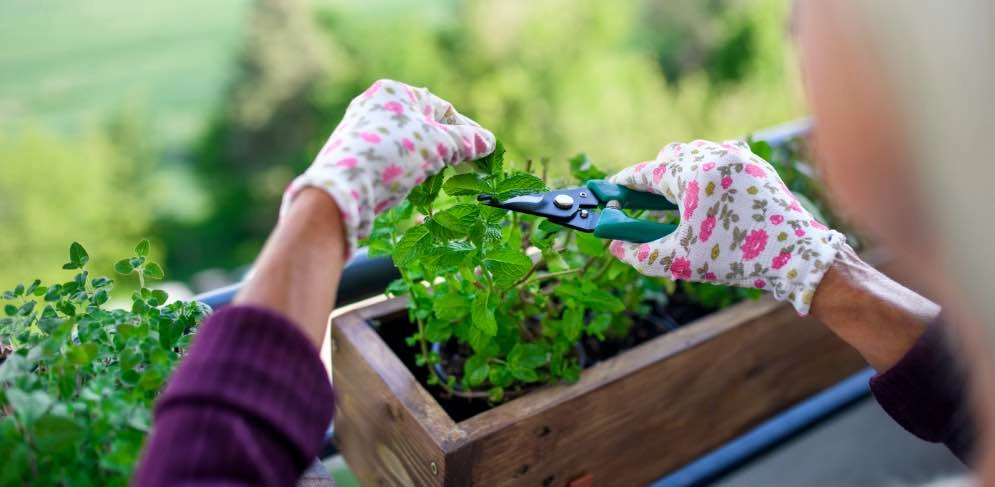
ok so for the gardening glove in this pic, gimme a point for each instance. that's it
(740, 225)
(392, 137)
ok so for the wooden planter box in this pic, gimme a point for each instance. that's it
(628, 421)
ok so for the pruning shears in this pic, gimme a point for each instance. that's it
(577, 208)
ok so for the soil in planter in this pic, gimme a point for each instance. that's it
(395, 328)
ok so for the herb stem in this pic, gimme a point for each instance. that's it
(549, 275)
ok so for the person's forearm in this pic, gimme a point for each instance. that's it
(879, 317)
(299, 269)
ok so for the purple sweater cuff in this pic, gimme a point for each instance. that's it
(252, 383)
(925, 393)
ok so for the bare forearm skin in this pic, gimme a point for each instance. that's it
(877, 316)
(299, 269)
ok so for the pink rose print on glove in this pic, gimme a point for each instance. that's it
(381, 206)
(617, 249)
(707, 225)
(479, 144)
(643, 253)
(332, 146)
(638, 168)
(780, 260)
(755, 171)
(776, 219)
(726, 182)
(681, 268)
(442, 151)
(394, 106)
(817, 224)
(708, 166)
(759, 284)
(755, 243)
(347, 163)
(658, 173)
(370, 137)
(690, 199)
(794, 206)
(408, 144)
(710, 276)
(391, 173)
(372, 90)
(799, 232)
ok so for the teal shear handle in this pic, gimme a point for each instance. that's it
(628, 198)
(616, 225)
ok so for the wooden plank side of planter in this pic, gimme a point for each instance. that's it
(389, 428)
(652, 409)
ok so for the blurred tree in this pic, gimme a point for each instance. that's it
(551, 77)
(55, 189)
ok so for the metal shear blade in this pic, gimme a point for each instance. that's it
(572, 207)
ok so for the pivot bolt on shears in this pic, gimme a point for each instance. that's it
(576, 208)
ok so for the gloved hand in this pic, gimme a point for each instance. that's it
(392, 137)
(740, 225)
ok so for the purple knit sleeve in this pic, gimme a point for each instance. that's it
(249, 405)
(926, 393)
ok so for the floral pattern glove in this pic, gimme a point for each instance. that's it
(740, 225)
(392, 137)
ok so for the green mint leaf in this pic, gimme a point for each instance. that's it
(10, 310)
(590, 245)
(549, 227)
(476, 370)
(590, 296)
(465, 184)
(415, 243)
(496, 394)
(482, 317)
(582, 169)
(459, 219)
(453, 254)
(451, 307)
(142, 249)
(519, 184)
(527, 355)
(523, 374)
(492, 163)
(571, 374)
(425, 193)
(153, 271)
(123, 266)
(507, 266)
(78, 255)
(500, 376)
(572, 323)
(438, 330)
(599, 325)
(761, 148)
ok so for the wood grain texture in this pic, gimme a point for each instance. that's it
(387, 426)
(628, 421)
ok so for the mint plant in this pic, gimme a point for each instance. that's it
(79, 374)
(514, 292)
(512, 295)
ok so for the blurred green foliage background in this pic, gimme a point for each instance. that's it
(184, 120)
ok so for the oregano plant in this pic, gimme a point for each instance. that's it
(79, 372)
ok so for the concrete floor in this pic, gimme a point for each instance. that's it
(859, 447)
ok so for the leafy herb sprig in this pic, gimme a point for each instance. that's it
(518, 291)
